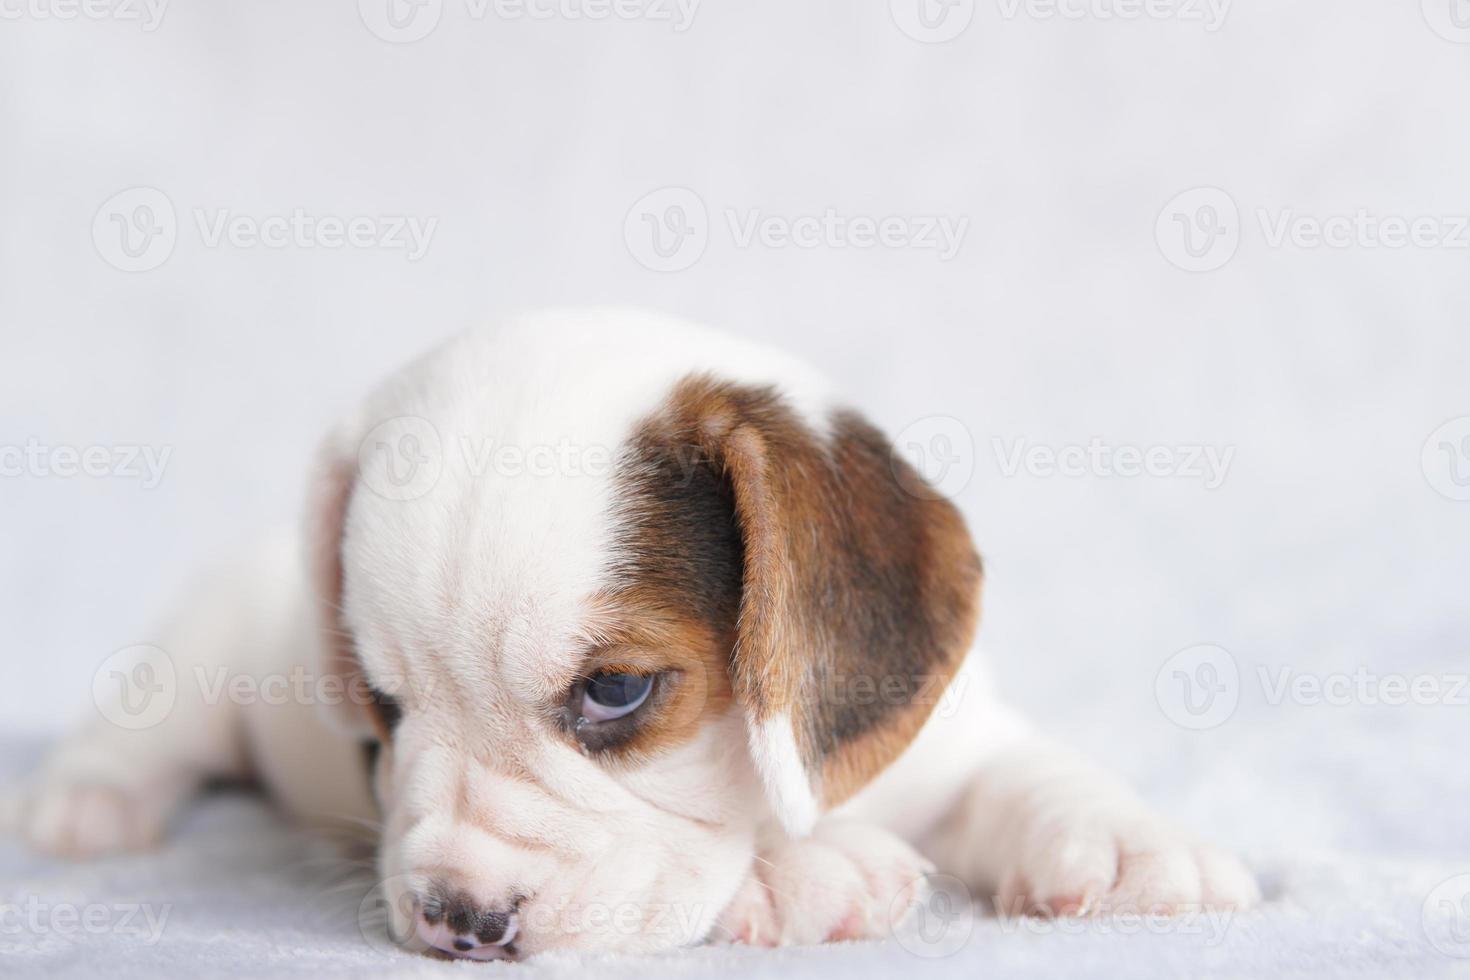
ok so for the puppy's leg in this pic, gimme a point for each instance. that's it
(848, 880)
(113, 787)
(1040, 829)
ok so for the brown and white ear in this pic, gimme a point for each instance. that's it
(860, 591)
(332, 482)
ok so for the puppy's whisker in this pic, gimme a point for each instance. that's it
(343, 868)
(353, 820)
(773, 891)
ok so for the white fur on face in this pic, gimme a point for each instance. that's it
(469, 603)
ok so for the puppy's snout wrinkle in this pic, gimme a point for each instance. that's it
(454, 923)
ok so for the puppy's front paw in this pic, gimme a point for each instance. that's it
(84, 819)
(1105, 863)
(847, 881)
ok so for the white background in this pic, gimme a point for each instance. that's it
(1061, 319)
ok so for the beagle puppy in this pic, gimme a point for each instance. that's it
(646, 641)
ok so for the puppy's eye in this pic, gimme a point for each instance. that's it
(610, 696)
(386, 711)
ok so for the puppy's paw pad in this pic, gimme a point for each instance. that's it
(750, 918)
(1137, 868)
(847, 881)
(84, 820)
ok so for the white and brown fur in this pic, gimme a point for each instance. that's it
(752, 542)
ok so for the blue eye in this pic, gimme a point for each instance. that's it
(610, 696)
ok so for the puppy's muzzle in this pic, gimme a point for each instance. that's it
(453, 923)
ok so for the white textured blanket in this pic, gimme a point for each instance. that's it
(237, 893)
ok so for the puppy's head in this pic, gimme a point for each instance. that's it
(599, 676)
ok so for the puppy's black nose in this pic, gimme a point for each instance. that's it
(454, 923)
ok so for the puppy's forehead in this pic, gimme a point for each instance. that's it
(492, 566)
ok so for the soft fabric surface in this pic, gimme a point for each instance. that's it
(237, 892)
